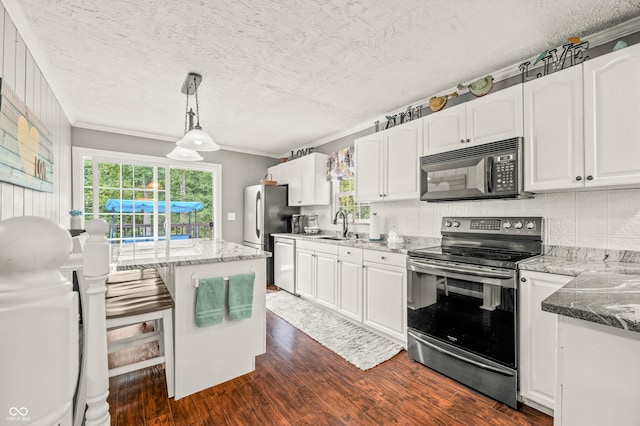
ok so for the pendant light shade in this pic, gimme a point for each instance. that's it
(184, 154)
(198, 140)
(195, 139)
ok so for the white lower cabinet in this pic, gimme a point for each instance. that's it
(305, 272)
(317, 272)
(538, 339)
(598, 375)
(385, 293)
(326, 279)
(350, 282)
(366, 286)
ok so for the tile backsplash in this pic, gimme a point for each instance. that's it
(608, 219)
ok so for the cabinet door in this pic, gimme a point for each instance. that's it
(276, 173)
(305, 272)
(496, 116)
(385, 300)
(307, 180)
(538, 337)
(553, 129)
(326, 279)
(350, 288)
(368, 158)
(612, 117)
(294, 180)
(444, 130)
(401, 159)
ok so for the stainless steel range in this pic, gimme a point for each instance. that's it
(463, 298)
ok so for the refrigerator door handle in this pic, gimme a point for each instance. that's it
(258, 208)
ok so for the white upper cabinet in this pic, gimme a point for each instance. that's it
(582, 126)
(490, 118)
(387, 164)
(612, 118)
(306, 177)
(445, 130)
(553, 123)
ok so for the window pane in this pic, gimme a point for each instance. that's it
(109, 175)
(127, 176)
(88, 201)
(143, 177)
(88, 172)
(104, 195)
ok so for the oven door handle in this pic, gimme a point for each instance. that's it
(462, 358)
(458, 269)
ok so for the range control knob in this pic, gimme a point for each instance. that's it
(531, 225)
(456, 224)
(507, 225)
(448, 224)
(518, 225)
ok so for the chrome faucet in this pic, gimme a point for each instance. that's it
(345, 229)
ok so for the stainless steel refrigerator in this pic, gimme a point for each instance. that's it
(266, 213)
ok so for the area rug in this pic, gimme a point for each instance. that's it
(359, 346)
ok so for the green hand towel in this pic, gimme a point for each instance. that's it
(241, 296)
(209, 301)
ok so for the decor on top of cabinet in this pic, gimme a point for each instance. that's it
(268, 180)
(341, 164)
(302, 152)
(410, 114)
(436, 103)
(572, 51)
(620, 44)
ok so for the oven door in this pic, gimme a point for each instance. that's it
(462, 323)
(465, 306)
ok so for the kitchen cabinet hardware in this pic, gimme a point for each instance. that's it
(578, 178)
(523, 279)
(382, 257)
(589, 177)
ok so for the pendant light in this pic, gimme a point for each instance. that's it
(195, 139)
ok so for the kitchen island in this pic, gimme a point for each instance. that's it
(211, 355)
(598, 343)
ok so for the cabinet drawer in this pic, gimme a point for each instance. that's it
(387, 258)
(319, 247)
(350, 253)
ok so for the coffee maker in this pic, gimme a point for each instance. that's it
(298, 223)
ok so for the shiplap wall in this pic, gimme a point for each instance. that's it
(22, 74)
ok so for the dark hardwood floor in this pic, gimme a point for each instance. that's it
(299, 382)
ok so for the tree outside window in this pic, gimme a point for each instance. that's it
(346, 201)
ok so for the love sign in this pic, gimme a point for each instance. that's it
(301, 153)
(26, 150)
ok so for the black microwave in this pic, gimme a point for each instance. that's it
(491, 170)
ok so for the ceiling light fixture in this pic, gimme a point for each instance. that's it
(195, 139)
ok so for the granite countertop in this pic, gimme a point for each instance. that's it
(602, 292)
(410, 243)
(181, 253)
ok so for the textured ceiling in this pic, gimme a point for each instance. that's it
(281, 74)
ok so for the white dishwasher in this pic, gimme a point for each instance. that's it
(284, 258)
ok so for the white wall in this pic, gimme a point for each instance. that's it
(23, 76)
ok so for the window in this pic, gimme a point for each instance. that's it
(345, 197)
(147, 198)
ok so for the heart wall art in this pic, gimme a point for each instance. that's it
(26, 149)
